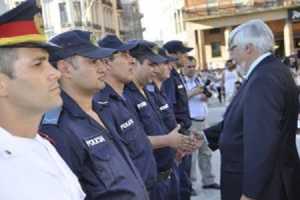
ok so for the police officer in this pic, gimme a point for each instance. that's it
(178, 99)
(164, 142)
(87, 142)
(129, 128)
(30, 167)
(161, 73)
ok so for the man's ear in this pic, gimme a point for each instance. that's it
(249, 48)
(65, 68)
(4, 79)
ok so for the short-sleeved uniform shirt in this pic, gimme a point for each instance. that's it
(99, 160)
(130, 130)
(153, 124)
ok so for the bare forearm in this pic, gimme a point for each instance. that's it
(159, 141)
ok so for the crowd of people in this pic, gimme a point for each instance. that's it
(127, 120)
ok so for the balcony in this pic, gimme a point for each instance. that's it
(204, 9)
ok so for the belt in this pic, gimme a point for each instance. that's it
(164, 175)
(198, 120)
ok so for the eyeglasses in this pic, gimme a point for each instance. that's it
(191, 66)
(232, 47)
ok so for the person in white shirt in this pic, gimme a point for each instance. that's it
(230, 76)
(198, 96)
(30, 167)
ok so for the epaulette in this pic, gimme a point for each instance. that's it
(103, 103)
(150, 88)
(52, 116)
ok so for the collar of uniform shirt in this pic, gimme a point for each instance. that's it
(255, 63)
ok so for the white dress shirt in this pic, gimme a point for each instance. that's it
(255, 63)
(198, 107)
(31, 169)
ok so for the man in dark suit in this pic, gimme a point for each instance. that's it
(257, 135)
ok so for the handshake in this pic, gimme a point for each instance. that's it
(185, 144)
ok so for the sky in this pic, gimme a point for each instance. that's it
(150, 21)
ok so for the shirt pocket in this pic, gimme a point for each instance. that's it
(101, 155)
(134, 140)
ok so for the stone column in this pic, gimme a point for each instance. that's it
(288, 38)
(102, 18)
(201, 49)
(115, 17)
(226, 37)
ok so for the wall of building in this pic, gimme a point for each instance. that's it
(98, 16)
(132, 19)
(213, 29)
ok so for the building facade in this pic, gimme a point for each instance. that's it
(98, 16)
(132, 19)
(209, 23)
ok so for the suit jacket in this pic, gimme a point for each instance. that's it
(257, 137)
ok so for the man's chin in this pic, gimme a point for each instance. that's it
(54, 104)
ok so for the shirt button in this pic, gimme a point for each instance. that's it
(8, 152)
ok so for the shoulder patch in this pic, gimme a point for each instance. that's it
(180, 86)
(52, 116)
(150, 88)
(102, 102)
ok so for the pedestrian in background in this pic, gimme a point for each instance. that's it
(230, 76)
(198, 96)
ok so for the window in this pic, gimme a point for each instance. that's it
(63, 14)
(212, 3)
(239, 1)
(214, 31)
(17, 3)
(215, 49)
(77, 13)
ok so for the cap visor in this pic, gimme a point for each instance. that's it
(127, 47)
(186, 49)
(171, 59)
(157, 59)
(98, 53)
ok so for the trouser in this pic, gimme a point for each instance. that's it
(202, 158)
(185, 180)
(167, 188)
(220, 94)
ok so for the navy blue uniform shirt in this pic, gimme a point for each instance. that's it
(177, 99)
(130, 131)
(152, 123)
(162, 106)
(101, 162)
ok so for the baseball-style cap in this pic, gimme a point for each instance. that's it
(175, 46)
(143, 51)
(22, 26)
(162, 52)
(143, 42)
(112, 41)
(78, 42)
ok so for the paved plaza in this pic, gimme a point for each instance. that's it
(215, 115)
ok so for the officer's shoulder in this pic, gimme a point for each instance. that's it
(102, 102)
(52, 117)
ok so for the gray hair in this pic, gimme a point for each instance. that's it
(254, 32)
(8, 56)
